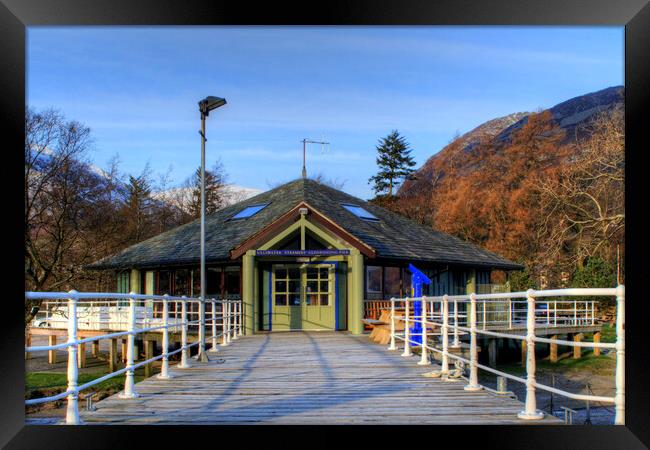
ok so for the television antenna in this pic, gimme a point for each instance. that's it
(304, 152)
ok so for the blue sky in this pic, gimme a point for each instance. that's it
(137, 88)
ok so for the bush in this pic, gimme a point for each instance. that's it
(595, 273)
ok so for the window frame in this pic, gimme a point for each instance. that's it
(246, 208)
(367, 215)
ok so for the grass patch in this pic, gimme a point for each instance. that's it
(608, 334)
(41, 384)
(588, 363)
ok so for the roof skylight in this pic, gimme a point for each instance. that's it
(360, 212)
(249, 211)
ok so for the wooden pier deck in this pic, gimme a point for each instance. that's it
(306, 378)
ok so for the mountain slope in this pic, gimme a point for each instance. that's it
(569, 115)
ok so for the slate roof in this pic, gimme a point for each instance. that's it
(393, 236)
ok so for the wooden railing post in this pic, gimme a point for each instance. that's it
(129, 383)
(424, 360)
(530, 411)
(444, 371)
(619, 398)
(72, 410)
(456, 342)
(185, 352)
(164, 368)
(473, 350)
(392, 325)
(214, 347)
(407, 331)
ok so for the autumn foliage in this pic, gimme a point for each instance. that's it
(540, 197)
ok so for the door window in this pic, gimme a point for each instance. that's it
(287, 286)
(317, 289)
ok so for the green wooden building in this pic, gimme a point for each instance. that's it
(303, 256)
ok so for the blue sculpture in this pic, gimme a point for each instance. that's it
(417, 279)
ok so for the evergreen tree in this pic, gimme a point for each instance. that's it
(395, 164)
(138, 206)
(214, 182)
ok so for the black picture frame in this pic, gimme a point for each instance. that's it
(15, 15)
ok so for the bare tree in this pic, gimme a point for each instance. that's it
(331, 182)
(584, 204)
(56, 186)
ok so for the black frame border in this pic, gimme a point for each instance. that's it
(15, 15)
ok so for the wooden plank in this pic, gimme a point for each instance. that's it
(51, 354)
(306, 378)
(81, 356)
(148, 353)
(112, 355)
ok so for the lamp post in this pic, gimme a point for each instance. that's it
(205, 106)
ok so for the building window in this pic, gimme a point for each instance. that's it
(249, 211)
(123, 282)
(406, 283)
(232, 282)
(360, 212)
(182, 282)
(213, 282)
(391, 282)
(373, 279)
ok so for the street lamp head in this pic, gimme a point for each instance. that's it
(209, 103)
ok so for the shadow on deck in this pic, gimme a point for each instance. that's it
(306, 378)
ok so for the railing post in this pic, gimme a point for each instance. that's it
(164, 368)
(592, 311)
(228, 321)
(392, 325)
(424, 360)
(240, 318)
(456, 342)
(235, 312)
(201, 356)
(619, 398)
(185, 357)
(509, 313)
(224, 323)
(530, 411)
(484, 315)
(72, 411)
(473, 350)
(444, 371)
(214, 326)
(575, 312)
(548, 313)
(407, 331)
(129, 383)
(555, 313)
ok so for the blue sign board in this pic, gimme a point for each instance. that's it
(324, 252)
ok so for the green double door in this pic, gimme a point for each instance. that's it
(303, 297)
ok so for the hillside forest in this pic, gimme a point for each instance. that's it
(544, 197)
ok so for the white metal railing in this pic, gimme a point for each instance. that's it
(435, 314)
(231, 314)
(507, 312)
